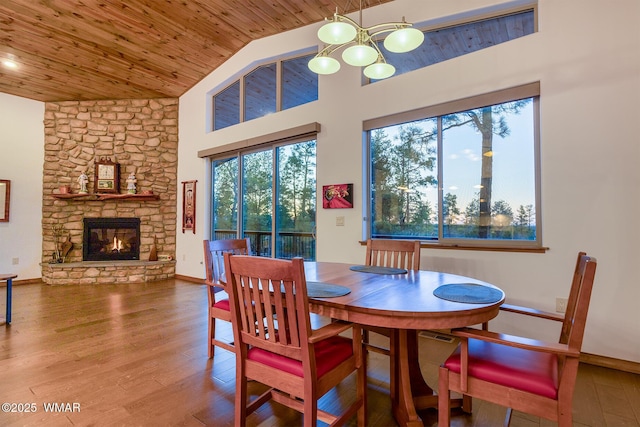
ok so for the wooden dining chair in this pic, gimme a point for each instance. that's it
(519, 373)
(219, 304)
(389, 253)
(276, 346)
(393, 253)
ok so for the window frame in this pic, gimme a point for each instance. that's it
(241, 80)
(531, 90)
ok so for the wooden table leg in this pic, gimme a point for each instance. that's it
(409, 391)
(408, 388)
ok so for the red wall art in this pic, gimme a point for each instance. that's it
(337, 196)
(189, 206)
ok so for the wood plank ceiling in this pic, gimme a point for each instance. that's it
(110, 49)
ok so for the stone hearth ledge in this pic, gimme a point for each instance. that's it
(99, 272)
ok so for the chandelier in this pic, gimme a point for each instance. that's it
(361, 49)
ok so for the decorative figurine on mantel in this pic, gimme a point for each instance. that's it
(83, 180)
(131, 183)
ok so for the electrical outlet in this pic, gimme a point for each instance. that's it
(561, 305)
(15, 261)
(340, 221)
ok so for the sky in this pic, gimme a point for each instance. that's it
(513, 162)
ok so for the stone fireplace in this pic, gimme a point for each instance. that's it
(141, 135)
(111, 239)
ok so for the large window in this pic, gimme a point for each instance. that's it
(458, 175)
(265, 90)
(268, 195)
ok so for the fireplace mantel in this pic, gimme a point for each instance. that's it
(93, 197)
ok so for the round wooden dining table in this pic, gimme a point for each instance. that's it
(405, 303)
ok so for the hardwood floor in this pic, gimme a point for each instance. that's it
(135, 355)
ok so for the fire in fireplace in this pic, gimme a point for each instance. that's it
(109, 239)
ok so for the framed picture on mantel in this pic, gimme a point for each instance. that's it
(107, 176)
(189, 206)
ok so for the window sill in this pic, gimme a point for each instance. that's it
(490, 248)
(530, 249)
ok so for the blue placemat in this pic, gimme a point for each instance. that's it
(326, 290)
(377, 270)
(468, 292)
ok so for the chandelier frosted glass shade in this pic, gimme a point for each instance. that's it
(379, 70)
(337, 32)
(324, 65)
(403, 40)
(360, 55)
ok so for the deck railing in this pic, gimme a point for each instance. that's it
(289, 243)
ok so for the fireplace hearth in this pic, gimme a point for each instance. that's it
(111, 239)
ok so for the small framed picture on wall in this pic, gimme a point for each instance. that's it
(189, 206)
(337, 196)
(5, 198)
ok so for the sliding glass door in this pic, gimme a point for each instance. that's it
(225, 199)
(257, 200)
(296, 201)
(276, 204)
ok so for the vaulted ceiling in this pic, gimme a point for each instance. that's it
(110, 49)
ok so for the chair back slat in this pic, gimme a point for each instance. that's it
(270, 314)
(253, 307)
(573, 297)
(272, 303)
(393, 253)
(576, 316)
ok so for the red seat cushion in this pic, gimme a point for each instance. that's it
(329, 353)
(222, 304)
(530, 371)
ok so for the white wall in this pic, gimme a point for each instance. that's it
(21, 160)
(586, 57)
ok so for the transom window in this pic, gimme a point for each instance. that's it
(441, 44)
(451, 174)
(265, 90)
